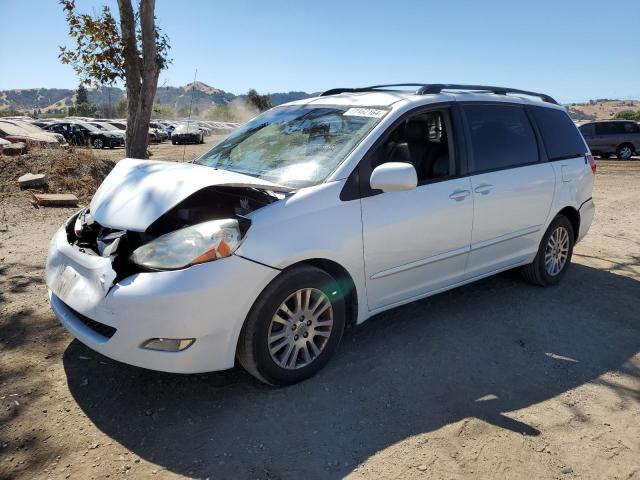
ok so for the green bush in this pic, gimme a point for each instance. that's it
(629, 115)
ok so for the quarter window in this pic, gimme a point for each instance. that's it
(559, 133)
(501, 137)
(631, 127)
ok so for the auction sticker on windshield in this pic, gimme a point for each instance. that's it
(365, 112)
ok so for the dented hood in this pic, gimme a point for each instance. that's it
(138, 192)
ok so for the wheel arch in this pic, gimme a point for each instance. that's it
(344, 279)
(630, 144)
(574, 217)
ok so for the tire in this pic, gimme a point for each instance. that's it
(174, 142)
(539, 272)
(98, 143)
(605, 156)
(282, 367)
(625, 151)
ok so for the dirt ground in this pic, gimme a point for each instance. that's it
(166, 151)
(497, 379)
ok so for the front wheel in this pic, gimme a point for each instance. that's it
(98, 143)
(554, 254)
(294, 327)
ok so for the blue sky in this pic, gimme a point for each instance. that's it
(572, 49)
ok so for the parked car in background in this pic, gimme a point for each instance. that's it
(160, 127)
(315, 215)
(206, 130)
(188, 132)
(13, 133)
(609, 137)
(30, 127)
(81, 133)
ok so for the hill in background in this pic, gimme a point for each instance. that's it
(204, 97)
(601, 109)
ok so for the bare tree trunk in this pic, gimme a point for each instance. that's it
(141, 76)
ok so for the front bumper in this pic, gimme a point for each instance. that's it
(115, 142)
(191, 137)
(208, 302)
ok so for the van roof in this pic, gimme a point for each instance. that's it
(387, 95)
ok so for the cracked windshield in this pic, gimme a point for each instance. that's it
(294, 146)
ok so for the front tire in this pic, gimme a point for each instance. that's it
(294, 327)
(554, 254)
(98, 143)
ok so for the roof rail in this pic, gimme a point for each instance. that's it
(336, 91)
(430, 88)
(438, 87)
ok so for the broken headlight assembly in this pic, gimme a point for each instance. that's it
(191, 245)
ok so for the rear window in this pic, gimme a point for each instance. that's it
(501, 137)
(559, 134)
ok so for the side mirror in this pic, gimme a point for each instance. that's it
(394, 177)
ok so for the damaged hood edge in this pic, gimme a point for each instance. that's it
(138, 192)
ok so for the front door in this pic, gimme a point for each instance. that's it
(417, 241)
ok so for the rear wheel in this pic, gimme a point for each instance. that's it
(624, 152)
(293, 328)
(554, 254)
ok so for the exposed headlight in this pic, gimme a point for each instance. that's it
(199, 243)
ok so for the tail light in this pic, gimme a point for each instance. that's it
(592, 163)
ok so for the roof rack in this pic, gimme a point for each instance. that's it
(426, 89)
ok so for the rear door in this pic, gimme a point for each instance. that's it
(512, 188)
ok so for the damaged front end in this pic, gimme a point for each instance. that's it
(206, 225)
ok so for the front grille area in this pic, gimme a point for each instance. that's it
(100, 328)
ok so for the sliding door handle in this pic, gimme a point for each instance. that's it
(459, 195)
(484, 188)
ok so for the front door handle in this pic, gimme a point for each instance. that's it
(459, 195)
(484, 189)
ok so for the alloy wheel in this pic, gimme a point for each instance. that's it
(556, 251)
(300, 328)
(626, 153)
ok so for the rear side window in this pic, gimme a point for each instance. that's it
(630, 127)
(501, 137)
(559, 134)
(610, 128)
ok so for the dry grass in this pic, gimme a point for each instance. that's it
(71, 170)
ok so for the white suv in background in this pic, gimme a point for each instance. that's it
(318, 214)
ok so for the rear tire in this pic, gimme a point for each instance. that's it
(624, 152)
(554, 254)
(279, 345)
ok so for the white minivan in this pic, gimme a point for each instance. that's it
(317, 215)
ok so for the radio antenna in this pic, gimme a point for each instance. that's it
(193, 86)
